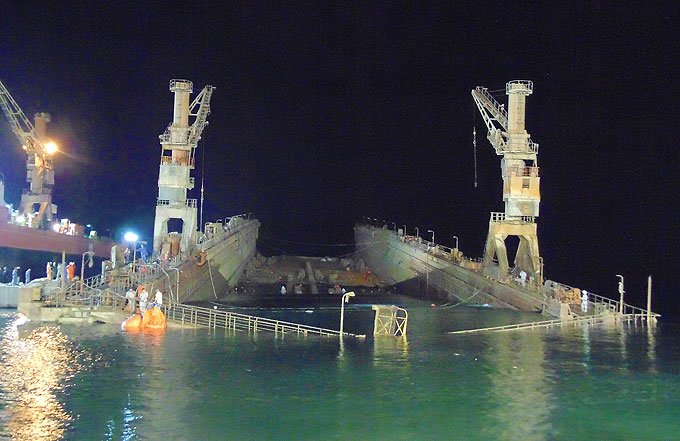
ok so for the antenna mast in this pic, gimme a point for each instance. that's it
(200, 214)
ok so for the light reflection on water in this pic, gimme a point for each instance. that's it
(35, 371)
(520, 387)
(562, 383)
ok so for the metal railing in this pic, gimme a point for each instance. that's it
(500, 113)
(603, 304)
(221, 233)
(190, 203)
(499, 216)
(169, 160)
(594, 319)
(526, 172)
(638, 312)
(220, 319)
(521, 86)
(73, 296)
(91, 291)
(588, 319)
(180, 138)
(390, 320)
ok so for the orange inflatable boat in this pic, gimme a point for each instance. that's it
(153, 322)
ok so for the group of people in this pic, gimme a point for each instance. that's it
(298, 289)
(12, 277)
(141, 297)
(53, 271)
(139, 253)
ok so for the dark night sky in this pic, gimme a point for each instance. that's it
(326, 113)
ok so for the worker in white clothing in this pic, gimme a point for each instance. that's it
(143, 299)
(584, 301)
(158, 298)
(130, 299)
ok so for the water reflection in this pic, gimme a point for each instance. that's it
(35, 370)
(622, 336)
(387, 350)
(129, 430)
(520, 387)
(586, 348)
(651, 347)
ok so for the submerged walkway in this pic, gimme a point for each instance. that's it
(216, 318)
(589, 320)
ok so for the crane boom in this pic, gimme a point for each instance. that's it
(202, 104)
(496, 119)
(39, 167)
(20, 124)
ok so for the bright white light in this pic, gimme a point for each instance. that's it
(51, 148)
(131, 237)
(55, 227)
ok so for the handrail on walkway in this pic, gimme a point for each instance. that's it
(217, 318)
(588, 319)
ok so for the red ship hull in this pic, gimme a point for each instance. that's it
(26, 238)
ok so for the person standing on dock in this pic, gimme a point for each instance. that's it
(130, 299)
(142, 252)
(27, 277)
(143, 299)
(158, 298)
(15, 276)
(71, 271)
(283, 290)
(584, 301)
(48, 270)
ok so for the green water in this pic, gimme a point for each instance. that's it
(576, 383)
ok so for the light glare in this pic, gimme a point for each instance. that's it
(51, 148)
(131, 237)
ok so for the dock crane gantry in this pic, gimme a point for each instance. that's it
(39, 166)
(178, 152)
(521, 193)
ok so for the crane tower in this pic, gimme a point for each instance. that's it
(521, 193)
(178, 152)
(39, 167)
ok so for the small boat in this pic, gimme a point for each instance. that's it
(154, 321)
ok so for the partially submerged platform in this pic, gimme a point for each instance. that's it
(398, 258)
